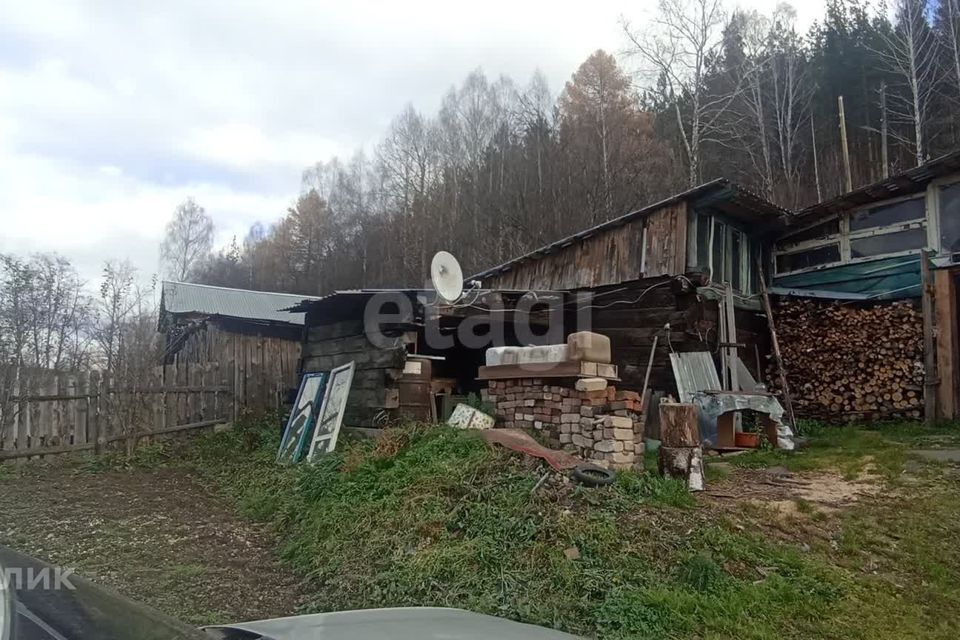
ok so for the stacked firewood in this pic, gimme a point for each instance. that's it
(861, 362)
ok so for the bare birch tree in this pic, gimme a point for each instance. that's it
(188, 240)
(675, 54)
(909, 54)
(792, 96)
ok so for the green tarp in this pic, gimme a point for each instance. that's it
(885, 279)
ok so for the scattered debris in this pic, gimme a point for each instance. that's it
(592, 475)
(518, 440)
(572, 553)
(466, 417)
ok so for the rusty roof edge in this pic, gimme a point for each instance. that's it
(628, 217)
(891, 187)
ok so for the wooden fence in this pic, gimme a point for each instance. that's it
(46, 412)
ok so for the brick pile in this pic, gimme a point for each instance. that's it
(587, 417)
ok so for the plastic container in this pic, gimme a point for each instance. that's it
(747, 440)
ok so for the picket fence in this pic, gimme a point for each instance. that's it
(45, 412)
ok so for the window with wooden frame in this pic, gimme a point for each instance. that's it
(880, 230)
(723, 251)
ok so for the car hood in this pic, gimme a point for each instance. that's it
(416, 623)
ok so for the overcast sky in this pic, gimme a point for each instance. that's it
(112, 112)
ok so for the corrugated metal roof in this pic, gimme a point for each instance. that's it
(910, 181)
(264, 306)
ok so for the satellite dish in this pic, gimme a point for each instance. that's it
(447, 276)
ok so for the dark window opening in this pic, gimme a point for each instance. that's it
(822, 230)
(888, 243)
(906, 211)
(950, 218)
(810, 258)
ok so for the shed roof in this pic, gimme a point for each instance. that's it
(259, 306)
(721, 194)
(903, 184)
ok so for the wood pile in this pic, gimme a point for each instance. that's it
(856, 362)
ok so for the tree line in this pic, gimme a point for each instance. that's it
(697, 92)
(503, 167)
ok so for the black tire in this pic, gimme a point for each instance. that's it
(591, 475)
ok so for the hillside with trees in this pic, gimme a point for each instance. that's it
(697, 92)
(505, 166)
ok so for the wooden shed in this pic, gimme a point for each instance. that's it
(627, 278)
(246, 334)
(857, 260)
(664, 264)
(410, 359)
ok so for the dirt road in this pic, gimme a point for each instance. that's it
(155, 536)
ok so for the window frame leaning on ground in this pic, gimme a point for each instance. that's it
(330, 417)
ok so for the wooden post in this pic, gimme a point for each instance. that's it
(775, 347)
(844, 146)
(816, 165)
(945, 304)
(731, 351)
(884, 154)
(930, 379)
(646, 376)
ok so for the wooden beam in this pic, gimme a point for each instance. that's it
(930, 380)
(775, 346)
(945, 304)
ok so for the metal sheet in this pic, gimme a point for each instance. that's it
(182, 297)
(694, 371)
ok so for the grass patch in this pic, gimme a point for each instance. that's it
(880, 447)
(434, 517)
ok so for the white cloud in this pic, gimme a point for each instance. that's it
(112, 112)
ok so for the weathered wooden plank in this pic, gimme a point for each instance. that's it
(392, 359)
(335, 330)
(945, 306)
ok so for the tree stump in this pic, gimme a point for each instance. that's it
(683, 463)
(678, 425)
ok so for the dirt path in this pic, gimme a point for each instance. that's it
(155, 536)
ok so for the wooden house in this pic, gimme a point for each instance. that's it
(245, 334)
(657, 271)
(664, 264)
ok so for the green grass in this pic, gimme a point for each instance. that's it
(435, 517)
(881, 448)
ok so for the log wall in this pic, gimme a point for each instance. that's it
(633, 313)
(375, 389)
